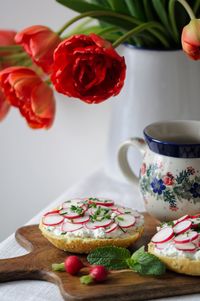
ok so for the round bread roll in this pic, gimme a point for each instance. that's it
(177, 245)
(82, 225)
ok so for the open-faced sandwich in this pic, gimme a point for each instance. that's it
(177, 244)
(81, 225)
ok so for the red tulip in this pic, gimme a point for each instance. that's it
(87, 67)
(190, 39)
(4, 106)
(39, 42)
(6, 39)
(25, 90)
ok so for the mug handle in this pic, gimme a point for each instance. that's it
(140, 144)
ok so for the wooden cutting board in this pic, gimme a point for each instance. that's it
(123, 285)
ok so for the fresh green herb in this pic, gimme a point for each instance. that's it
(64, 211)
(93, 199)
(113, 258)
(92, 205)
(63, 233)
(122, 229)
(76, 209)
(127, 212)
(120, 218)
(170, 223)
(119, 258)
(107, 216)
(145, 263)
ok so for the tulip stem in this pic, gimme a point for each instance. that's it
(14, 56)
(187, 8)
(122, 17)
(98, 14)
(145, 26)
(12, 48)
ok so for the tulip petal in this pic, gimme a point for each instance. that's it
(88, 68)
(4, 106)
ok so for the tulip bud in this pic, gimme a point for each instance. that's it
(190, 39)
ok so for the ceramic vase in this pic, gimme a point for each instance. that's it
(159, 85)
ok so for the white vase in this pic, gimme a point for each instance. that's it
(159, 85)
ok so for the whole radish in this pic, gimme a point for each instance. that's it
(98, 273)
(71, 265)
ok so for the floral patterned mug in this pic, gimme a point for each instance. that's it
(169, 177)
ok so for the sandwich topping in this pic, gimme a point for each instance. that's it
(179, 238)
(92, 218)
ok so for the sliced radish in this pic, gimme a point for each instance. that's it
(51, 212)
(74, 202)
(111, 228)
(114, 208)
(124, 210)
(69, 213)
(186, 237)
(104, 202)
(183, 218)
(98, 224)
(70, 227)
(52, 219)
(163, 245)
(186, 247)
(195, 222)
(182, 227)
(125, 220)
(82, 219)
(164, 235)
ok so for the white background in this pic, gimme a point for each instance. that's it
(36, 166)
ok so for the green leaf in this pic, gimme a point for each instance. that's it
(113, 258)
(82, 6)
(136, 9)
(149, 11)
(119, 6)
(145, 263)
(161, 10)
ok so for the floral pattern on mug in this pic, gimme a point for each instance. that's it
(170, 187)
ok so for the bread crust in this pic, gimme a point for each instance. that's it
(85, 245)
(178, 264)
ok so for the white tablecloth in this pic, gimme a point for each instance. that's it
(97, 184)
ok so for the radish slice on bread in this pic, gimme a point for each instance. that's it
(164, 235)
(186, 237)
(125, 220)
(186, 247)
(52, 219)
(70, 227)
(182, 227)
(103, 202)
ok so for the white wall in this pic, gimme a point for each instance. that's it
(37, 166)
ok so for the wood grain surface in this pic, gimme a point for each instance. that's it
(123, 285)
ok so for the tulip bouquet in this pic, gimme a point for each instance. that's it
(84, 63)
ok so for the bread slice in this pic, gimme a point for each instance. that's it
(85, 245)
(82, 225)
(177, 264)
